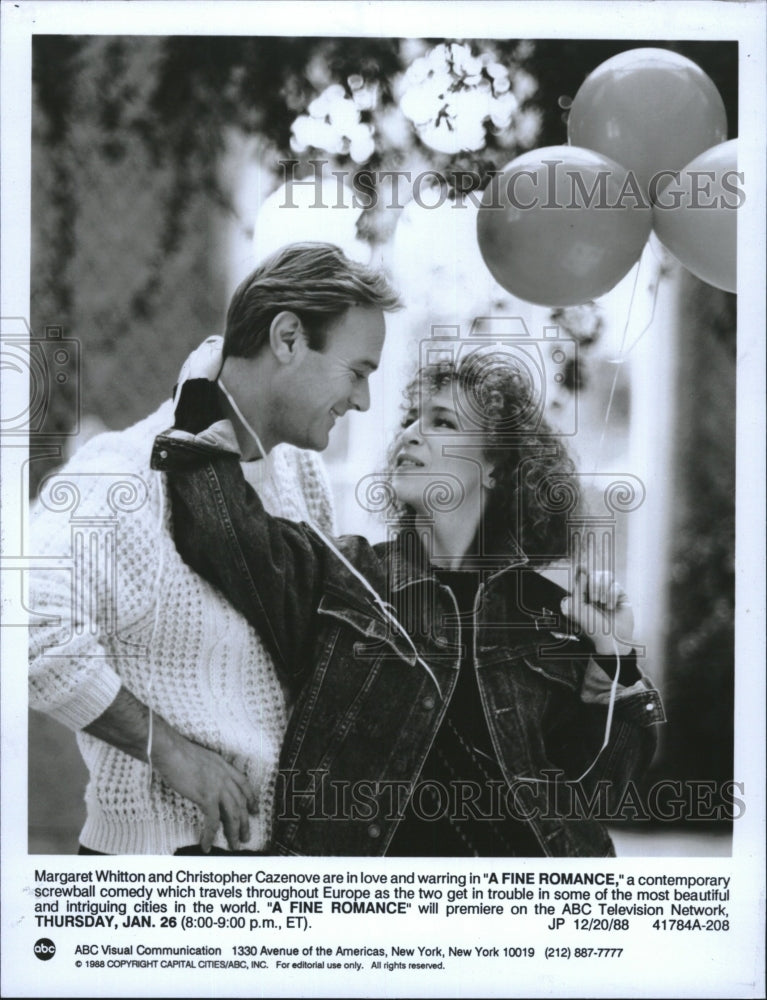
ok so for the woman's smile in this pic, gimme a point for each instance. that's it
(407, 460)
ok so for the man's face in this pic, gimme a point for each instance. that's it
(325, 384)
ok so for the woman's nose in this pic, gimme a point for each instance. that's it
(413, 433)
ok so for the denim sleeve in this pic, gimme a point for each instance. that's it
(269, 568)
(577, 733)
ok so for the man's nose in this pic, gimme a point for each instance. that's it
(360, 399)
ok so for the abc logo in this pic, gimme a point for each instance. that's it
(45, 949)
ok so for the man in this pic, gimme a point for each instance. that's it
(119, 633)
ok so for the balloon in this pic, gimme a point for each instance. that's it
(648, 109)
(696, 218)
(559, 226)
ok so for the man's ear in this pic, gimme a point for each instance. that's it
(287, 339)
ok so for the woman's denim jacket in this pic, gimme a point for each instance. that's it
(367, 709)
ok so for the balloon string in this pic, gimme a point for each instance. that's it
(651, 319)
(385, 608)
(618, 362)
(622, 355)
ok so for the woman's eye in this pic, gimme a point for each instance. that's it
(407, 420)
(445, 422)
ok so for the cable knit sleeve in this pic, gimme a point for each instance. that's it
(93, 537)
(315, 486)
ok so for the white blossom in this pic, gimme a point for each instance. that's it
(365, 96)
(501, 85)
(362, 145)
(502, 110)
(449, 94)
(524, 85)
(496, 69)
(333, 123)
(528, 126)
(302, 133)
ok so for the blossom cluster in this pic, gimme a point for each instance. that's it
(334, 122)
(449, 95)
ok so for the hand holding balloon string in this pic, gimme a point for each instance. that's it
(600, 609)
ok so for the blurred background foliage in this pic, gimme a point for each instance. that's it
(129, 196)
(129, 134)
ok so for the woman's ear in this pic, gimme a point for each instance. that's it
(286, 337)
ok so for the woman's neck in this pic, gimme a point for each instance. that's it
(453, 535)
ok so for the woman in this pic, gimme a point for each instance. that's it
(445, 704)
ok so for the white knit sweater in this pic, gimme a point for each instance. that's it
(113, 603)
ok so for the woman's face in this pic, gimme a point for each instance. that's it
(439, 461)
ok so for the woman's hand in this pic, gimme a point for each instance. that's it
(600, 609)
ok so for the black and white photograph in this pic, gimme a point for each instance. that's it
(382, 454)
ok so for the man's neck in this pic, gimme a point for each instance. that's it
(254, 435)
(249, 450)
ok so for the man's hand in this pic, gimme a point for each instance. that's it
(217, 787)
(600, 608)
(204, 777)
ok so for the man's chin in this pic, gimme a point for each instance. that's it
(310, 439)
(317, 442)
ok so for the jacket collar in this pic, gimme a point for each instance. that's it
(409, 565)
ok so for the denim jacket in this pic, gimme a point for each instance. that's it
(370, 697)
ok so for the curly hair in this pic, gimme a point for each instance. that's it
(535, 487)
